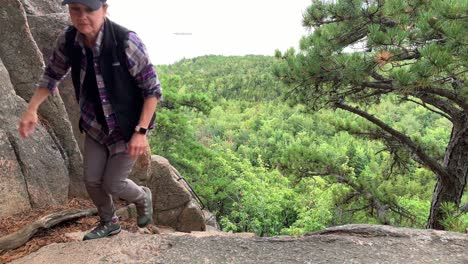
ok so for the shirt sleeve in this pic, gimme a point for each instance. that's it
(57, 66)
(141, 68)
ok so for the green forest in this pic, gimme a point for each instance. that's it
(329, 135)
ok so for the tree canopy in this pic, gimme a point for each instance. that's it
(251, 157)
(361, 52)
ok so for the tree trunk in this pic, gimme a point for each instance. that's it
(451, 188)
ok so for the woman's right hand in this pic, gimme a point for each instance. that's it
(28, 123)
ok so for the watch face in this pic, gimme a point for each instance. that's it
(141, 130)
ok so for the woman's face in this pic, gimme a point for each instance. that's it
(87, 21)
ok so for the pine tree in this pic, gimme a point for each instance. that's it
(360, 51)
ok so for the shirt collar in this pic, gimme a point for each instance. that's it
(79, 39)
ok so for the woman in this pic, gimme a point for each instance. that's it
(118, 91)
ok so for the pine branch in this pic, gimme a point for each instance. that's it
(374, 94)
(459, 100)
(381, 207)
(423, 157)
(379, 77)
(428, 108)
(353, 36)
(463, 208)
(350, 197)
(452, 78)
(427, 96)
(374, 202)
(456, 17)
(379, 85)
(326, 21)
(439, 103)
(402, 212)
(357, 209)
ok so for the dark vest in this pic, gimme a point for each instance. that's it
(92, 90)
(125, 96)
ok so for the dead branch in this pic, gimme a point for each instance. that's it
(20, 237)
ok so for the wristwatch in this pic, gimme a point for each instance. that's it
(141, 130)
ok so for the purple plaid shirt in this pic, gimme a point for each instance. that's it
(139, 66)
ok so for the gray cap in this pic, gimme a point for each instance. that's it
(93, 4)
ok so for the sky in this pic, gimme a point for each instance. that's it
(177, 29)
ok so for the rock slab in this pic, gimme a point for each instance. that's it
(345, 246)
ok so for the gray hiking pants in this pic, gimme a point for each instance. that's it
(106, 176)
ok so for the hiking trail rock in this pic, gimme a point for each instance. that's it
(346, 244)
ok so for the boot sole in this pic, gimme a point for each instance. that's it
(113, 233)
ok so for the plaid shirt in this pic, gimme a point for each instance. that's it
(139, 66)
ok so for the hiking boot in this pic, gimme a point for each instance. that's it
(104, 229)
(145, 210)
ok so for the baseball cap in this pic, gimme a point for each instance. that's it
(93, 4)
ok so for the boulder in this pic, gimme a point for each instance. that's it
(23, 61)
(173, 203)
(168, 217)
(191, 218)
(33, 171)
(14, 196)
(45, 30)
(43, 6)
(211, 221)
(165, 183)
(141, 171)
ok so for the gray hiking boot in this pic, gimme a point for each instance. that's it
(104, 229)
(145, 210)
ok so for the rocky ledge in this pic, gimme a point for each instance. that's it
(344, 244)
